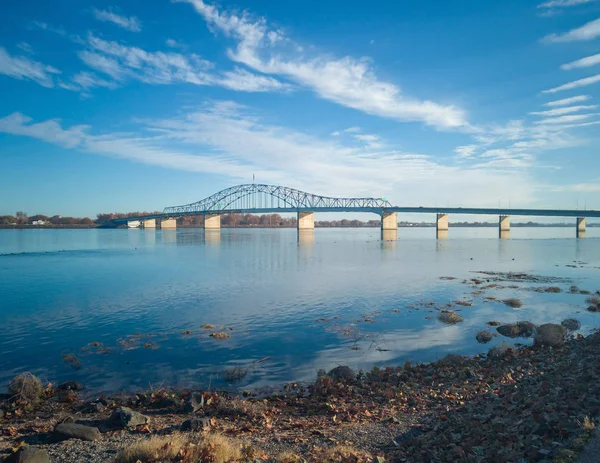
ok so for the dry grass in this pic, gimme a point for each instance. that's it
(340, 453)
(513, 302)
(253, 410)
(288, 457)
(26, 387)
(177, 447)
(588, 424)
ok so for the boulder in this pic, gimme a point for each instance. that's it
(70, 386)
(195, 424)
(342, 374)
(483, 337)
(28, 455)
(128, 418)
(549, 334)
(521, 329)
(65, 431)
(570, 324)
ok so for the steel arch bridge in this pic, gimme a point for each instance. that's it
(261, 198)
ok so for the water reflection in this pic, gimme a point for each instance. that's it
(504, 234)
(442, 234)
(212, 237)
(306, 237)
(389, 235)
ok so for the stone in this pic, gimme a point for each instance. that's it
(28, 455)
(65, 431)
(195, 424)
(570, 324)
(500, 350)
(452, 359)
(128, 418)
(483, 337)
(343, 374)
(94, 407)
(549, 334)
(70, 386)
(521, 329)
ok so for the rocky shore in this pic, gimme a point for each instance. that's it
(534, 403)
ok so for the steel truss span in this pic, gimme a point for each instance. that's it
(257, 196)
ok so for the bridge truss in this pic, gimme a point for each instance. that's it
(258, 196)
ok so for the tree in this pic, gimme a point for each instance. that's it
(21, 217)
(86, 221)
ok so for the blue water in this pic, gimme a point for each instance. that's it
(137, 292)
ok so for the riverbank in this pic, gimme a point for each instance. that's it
(534, 403)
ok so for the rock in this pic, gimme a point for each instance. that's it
(94, 407)
(449, 317)
(570, 324)
(522, 329)
(500, 350)
(483, 337)
(549, 334)
(28, 455)
(70, 386)
(128, 418)
(65, 431)
(343, 374)
(452, 359)
(195, 424)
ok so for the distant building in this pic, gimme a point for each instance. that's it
(39, 222)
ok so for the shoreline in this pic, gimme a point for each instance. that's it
(537, 403)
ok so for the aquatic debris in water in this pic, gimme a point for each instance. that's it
(593, 300)
(570, 324)
(208, 326)
(574, 289)
(494, 323)
(220, 335)
(72, 360)
(483, 337)
(187, 332)
(513, 302)
(449, 317)
(464, 303)
(448, 278)
(553, 289)
(323, 320)
(234, 374)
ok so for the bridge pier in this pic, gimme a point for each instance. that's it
(389, 221)
(212, 222)
(168, 224)
(580, 230)
(504, 227)
(149, 223)
(441, 226)
(133, 224)
(306, 220)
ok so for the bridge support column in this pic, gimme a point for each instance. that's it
(133, 224)
(441, 226)
(150, 223)
(504, 226)
(168, 224)
(212, 222)
(389, 221)
(580, 227)
(306, 220)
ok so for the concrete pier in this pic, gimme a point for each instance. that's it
(441, 226)
(149, 223)
(168, 224)
(306, 220)
(389, 235)
(504, 227)
(212, 222)
(389, 221)
(580, 227)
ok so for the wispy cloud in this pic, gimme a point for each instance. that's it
(575, 84)
(47, 27)
(172, 43)
(26, 47)
(565, 119)
(130, 23)
(564, 110)
(582, 63)
(563, 3)
(588, 31)
(85, 81)
(568, 101)
(246, 81)
(466, 151)
(347, 81)
(23, 68)
(225, 140)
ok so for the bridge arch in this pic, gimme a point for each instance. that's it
(260, 196)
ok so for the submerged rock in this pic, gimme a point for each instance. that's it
(128, 418)
(570, 324)
(523, 329)
(449, 317)
(549, 334)
(70, 386)
(483, 337)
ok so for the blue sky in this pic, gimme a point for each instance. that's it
(129, 105)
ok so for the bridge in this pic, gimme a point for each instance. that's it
(260, 199)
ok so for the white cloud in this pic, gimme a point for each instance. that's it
(565, 119)
(130, 23)
(347, 81)
(567, 101)
(122, 62)
(582, 63)
(575, 84)
(227, 141)
(47, 27)
(563, 3)
(26, 47)
(84, 81)
(465, 151)
(563, 110)
(172, 43)
(22, 68)
(588, 31)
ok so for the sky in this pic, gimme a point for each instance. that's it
(127, 105)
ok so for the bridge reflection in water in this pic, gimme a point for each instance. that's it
(263, 199)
